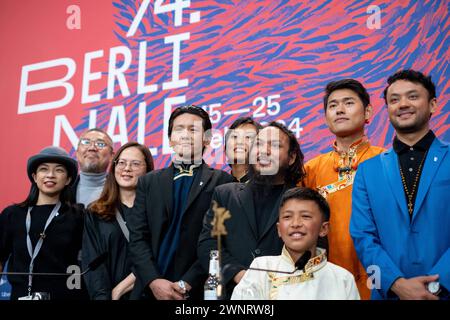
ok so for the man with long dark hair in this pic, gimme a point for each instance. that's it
(276, 165)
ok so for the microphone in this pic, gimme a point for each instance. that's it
(299, 264)
(93, 265)
(303, 260)
(97, 262)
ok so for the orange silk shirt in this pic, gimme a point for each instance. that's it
(322, 175)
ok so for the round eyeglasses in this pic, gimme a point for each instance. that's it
(100, 144)
(122, 164)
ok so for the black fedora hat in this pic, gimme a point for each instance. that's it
(53, 155)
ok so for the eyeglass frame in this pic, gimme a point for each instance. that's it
(133, 166)
(95, 142)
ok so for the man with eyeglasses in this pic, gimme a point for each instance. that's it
(94, 154)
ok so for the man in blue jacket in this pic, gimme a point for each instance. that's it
(400, 221)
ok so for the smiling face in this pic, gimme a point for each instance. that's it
(129, 166)
(270, 152)
(300, 224)
(51, 178)
(94, 152)
(188, 138)
(239, 143)
(345, 113)
(409, 106)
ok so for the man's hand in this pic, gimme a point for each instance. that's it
(123, 287)
(164, 290)
(239, 276)
(116, 293)
(414, 288)
(183, 292)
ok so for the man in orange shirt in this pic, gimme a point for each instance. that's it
(347, 110)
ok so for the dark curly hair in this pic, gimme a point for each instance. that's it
(296, 171)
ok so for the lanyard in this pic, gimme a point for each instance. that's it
(33, 253)
(122, 225)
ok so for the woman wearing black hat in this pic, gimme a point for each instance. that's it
(43, 233)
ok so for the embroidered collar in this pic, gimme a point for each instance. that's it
(185, 168)
(348, 160)
(313, 264)
(354, 147)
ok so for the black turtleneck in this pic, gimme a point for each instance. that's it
(265, 198)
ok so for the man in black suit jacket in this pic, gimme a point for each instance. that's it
(167, 216)
(276, 165)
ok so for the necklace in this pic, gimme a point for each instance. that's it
(414, 187)
(348, 161)
(346, 173)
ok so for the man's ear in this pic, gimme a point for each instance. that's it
(69, 179)
(206, 140)
(324, 228)
(433, 105)
(368, 112)
(34, 177)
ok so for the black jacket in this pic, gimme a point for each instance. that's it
(150, 219)
(105, 236)
(60, 249)
(73, 190)
(242, 243)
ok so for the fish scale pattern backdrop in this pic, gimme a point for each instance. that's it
(124, 65)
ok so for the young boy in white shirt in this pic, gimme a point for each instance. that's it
(303, 218)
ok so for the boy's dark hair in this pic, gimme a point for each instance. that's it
(350, 84)
(412, 76)
(239, 122)
(300, 193)
(192, 109)
(296, 172)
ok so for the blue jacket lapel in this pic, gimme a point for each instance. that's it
(391, 171)
(434, 158)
